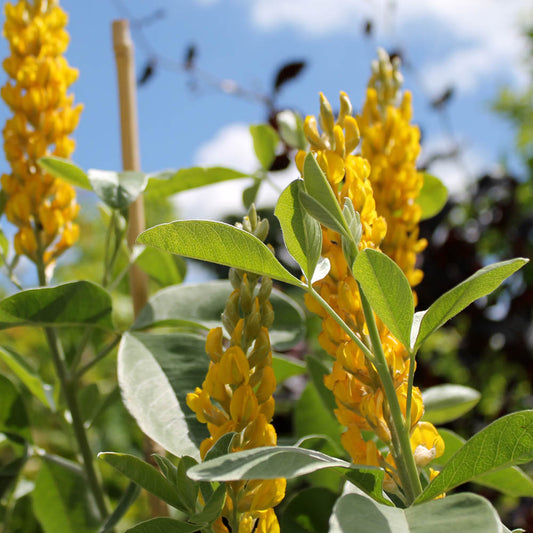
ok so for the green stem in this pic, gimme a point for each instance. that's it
(405, 460)
(353, 336)
(81, 348)
(105, 278)
(69, 386)
(98, 357)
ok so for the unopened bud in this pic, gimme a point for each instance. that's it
(267, 315)
(261, 230)
(327, 120)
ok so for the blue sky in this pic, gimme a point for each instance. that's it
(473, 45)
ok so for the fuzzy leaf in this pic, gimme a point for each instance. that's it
(80, 303)
(445, 403)
(483, 282)
(388, 292)
(117, 189)
(220, 243)
(507, 441)
(65, 170)
(266, 141)
(301, 232)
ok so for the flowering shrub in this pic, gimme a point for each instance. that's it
(199, 366)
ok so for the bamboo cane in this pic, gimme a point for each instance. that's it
(125, 62)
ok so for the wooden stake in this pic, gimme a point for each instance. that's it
(124, 56)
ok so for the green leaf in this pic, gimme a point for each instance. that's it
(65, 170)
(90, 402)
(432, 197)
(117, 189)
(301, 232)
(388, 292)
(61, 501)
(480, 284)
(249, 194)
(126, 501)
(269, 462)
(445, 403)
(163, 525)
(202, 304)
(212, 508)
(80, 303)
(291, 129)
(144, 475)
(186, 487)
(460, 512)
(507, 441)
(318, 187)
(218, 243)
(321, 214)
(165, 268)
(370, 481)
(29, 378)
(285, 367)
(266, 141)
(14, 453)
(155, 373)
(169, 182)
(13, 415)
(511, 481)
(308, 511)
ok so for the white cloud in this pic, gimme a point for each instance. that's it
(484, 34)
(231, 147)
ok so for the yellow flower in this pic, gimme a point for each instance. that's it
(236, 394)
(41, 206)
(361, 402)
(391, 144)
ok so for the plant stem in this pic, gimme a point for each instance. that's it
(69, 386)
(405, 460)
(98, 357)
(360, 344)
(410, 390)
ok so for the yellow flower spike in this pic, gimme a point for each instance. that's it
(234, 367)
(426, 443)
(262, 494)
(44, 117)
(339, 141)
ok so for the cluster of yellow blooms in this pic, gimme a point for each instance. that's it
(236, 395)
(41, 206)
(384, 196)
(391, 144)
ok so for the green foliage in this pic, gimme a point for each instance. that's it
(265, 141)
(27, 375)
(201, 305)
(507, 441)
(480, 284)
(13, 414)
(168, 182)
(217, 243)
(432, 197)
(117, 189)
(308, 511)
(155, 373)
(65, 170)
(464, 512)
(62, 502)
(301, 232)
(511, 481)
(146, 476)
(162, 267)
(265, 463)
(80, 303)
(387, 290)
(444, 403)
(163, 525)
(291, 129)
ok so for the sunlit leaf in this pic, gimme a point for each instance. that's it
(444, 403)
(432, 197)
(65, 170)
(220, 243)
(451, 303)
(265, 141)
(507, 441)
